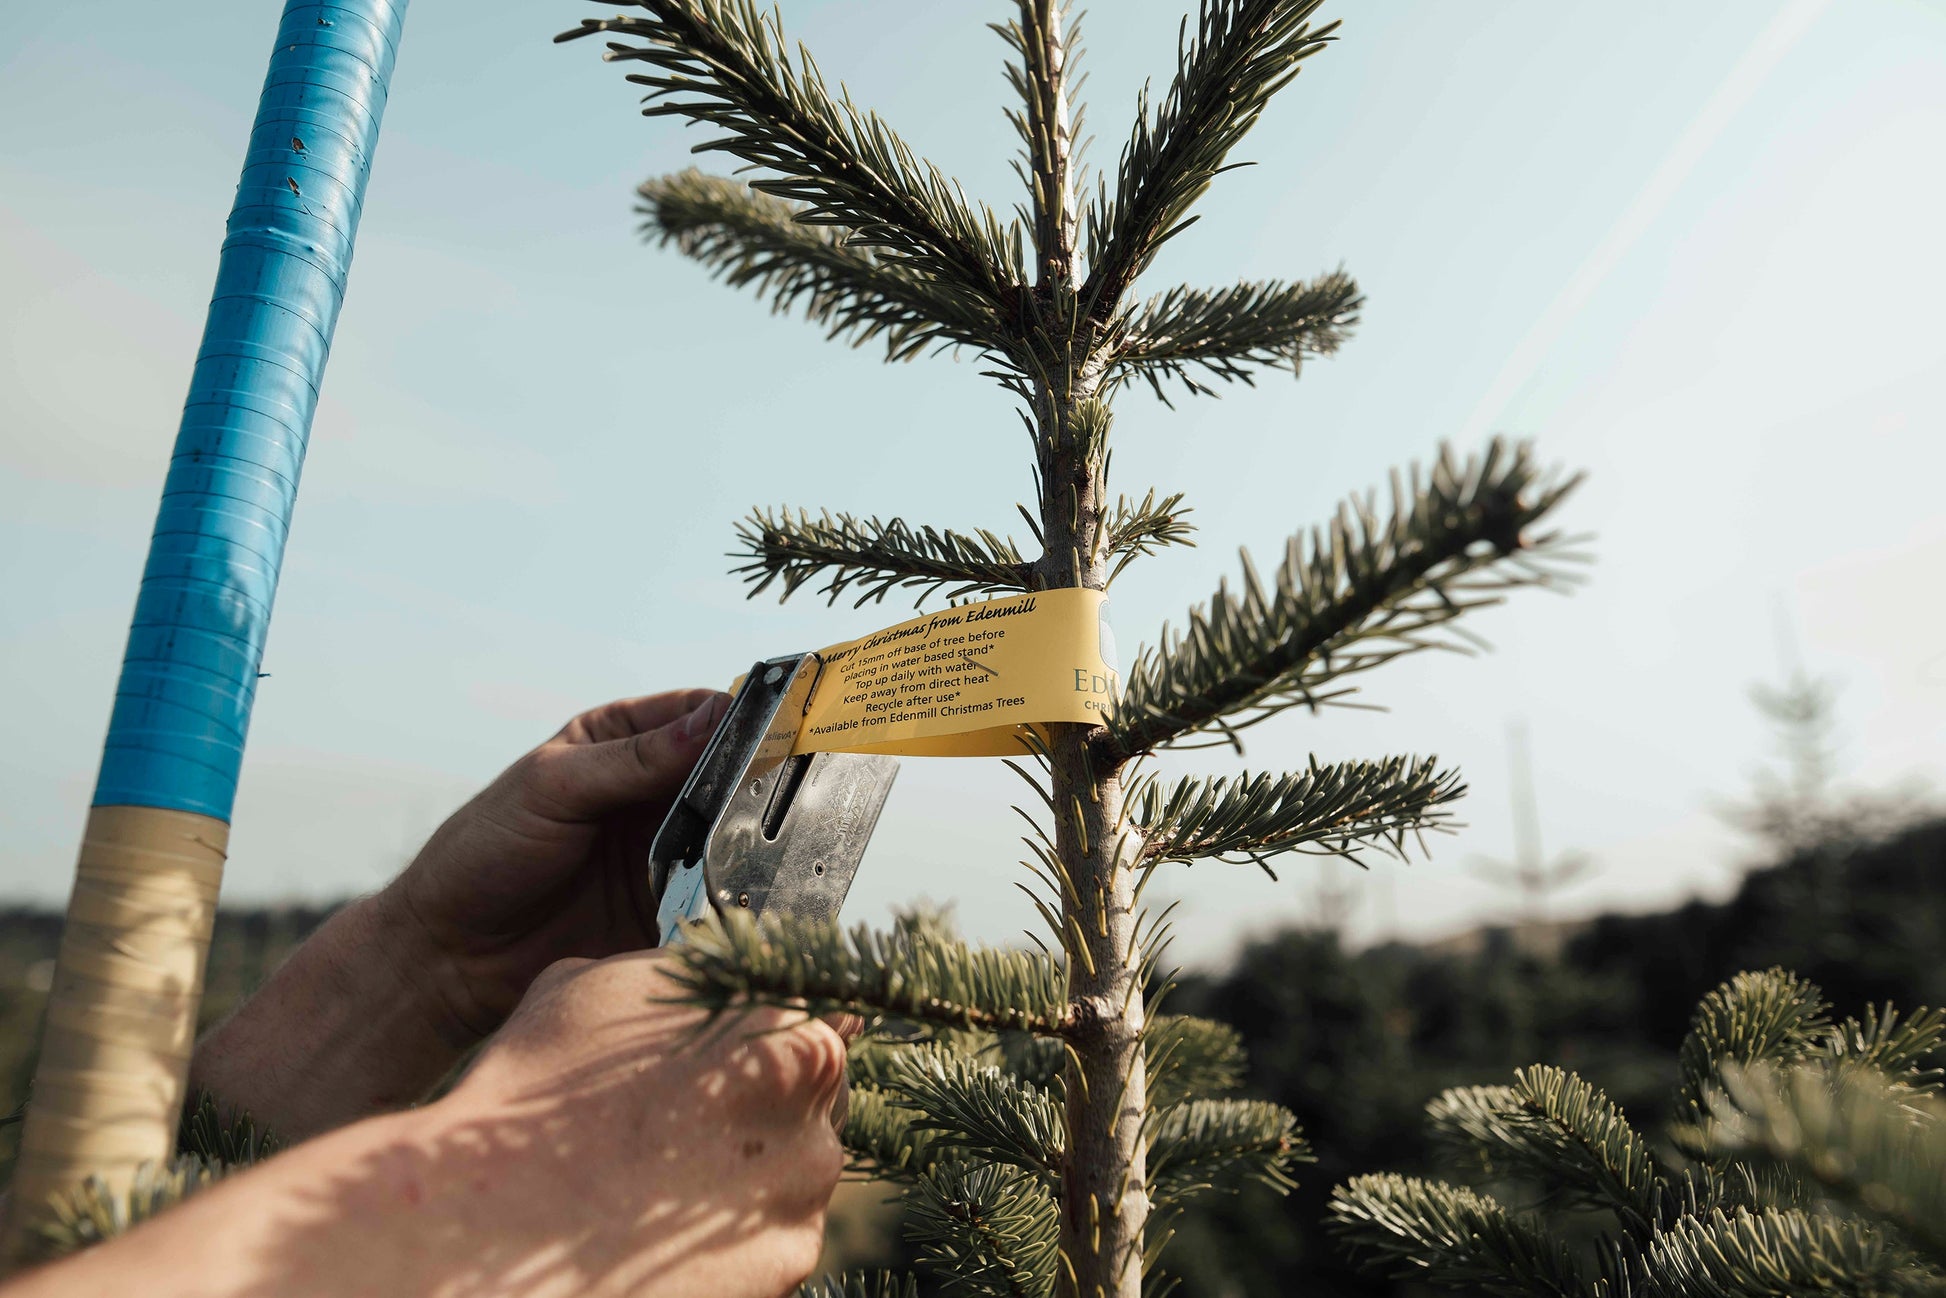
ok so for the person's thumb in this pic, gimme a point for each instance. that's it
(640, 768)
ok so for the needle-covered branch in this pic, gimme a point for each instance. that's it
(1189, 334)
(1565, 1135)
(908, 973)
(1775, 1018)
(1204, 1145)
(874, 557)
(1769, 1253)
(728, 64)
(1138, 528)
(1333, 810)
(862, 1284)
(1768, 1017)
(1858, 1136)
(1243, 52)
(1452, 1237)
(879, 1138)
(976, 1109)
(752, 240)
(1190, 1057)
(1356, 594)
(1900, 1050)
(989, 1230)
(1813, 1171)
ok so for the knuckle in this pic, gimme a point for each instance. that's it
(823, 1053)
(809, 1249)
(652, 755)
(543, 772)
(805, 1247)
(561, 971)
(828, 1165)
(781, 1068)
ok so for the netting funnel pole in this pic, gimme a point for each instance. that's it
(121, 1016)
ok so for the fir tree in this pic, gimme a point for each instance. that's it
(1046, 1120)
(1809, 1158)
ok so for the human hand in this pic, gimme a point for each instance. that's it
(550, 860)
(684, 1164)
(605, 1143)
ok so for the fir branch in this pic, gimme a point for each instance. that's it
(1555, 1129)
(1747, 1184)
(872, 1055)
(1141, 528)
(239, 1142)
(1036, 1061)
(1582, 1146)
(208, 1148)
(880, 1138)
(1203, 1145)
(1451, 1237)
(910, 973)
(1244, 51)
(985, 1230)
(976, 1108)
(1860, 1137)
(94, 1212)
(1470, 1125)
(1190, 1057)
(862, 1284)
(1332, 810)
(1773, 1255)
(1897, 1050)
(876, 1054)
(876, 557)
(1768, 1017)
(749, 239)
(727, 63)
(1358, 594)
(1229, 333)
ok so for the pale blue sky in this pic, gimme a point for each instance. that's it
(1691, 248)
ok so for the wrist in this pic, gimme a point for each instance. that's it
(425, 971)
(356, 1022)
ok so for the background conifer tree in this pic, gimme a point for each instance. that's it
(1047, 1121)
(1810, 1158)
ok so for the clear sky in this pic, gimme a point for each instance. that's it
(1693, 249)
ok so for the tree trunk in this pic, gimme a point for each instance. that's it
(1104, 1197)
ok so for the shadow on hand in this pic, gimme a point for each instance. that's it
(658, 1155)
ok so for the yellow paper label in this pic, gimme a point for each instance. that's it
(966, 681)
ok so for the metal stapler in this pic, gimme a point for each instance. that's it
(758, 829)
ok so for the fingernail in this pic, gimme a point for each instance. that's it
(703, 719)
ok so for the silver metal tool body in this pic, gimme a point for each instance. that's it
(757, 829)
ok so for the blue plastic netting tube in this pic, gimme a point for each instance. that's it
(182, 707)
